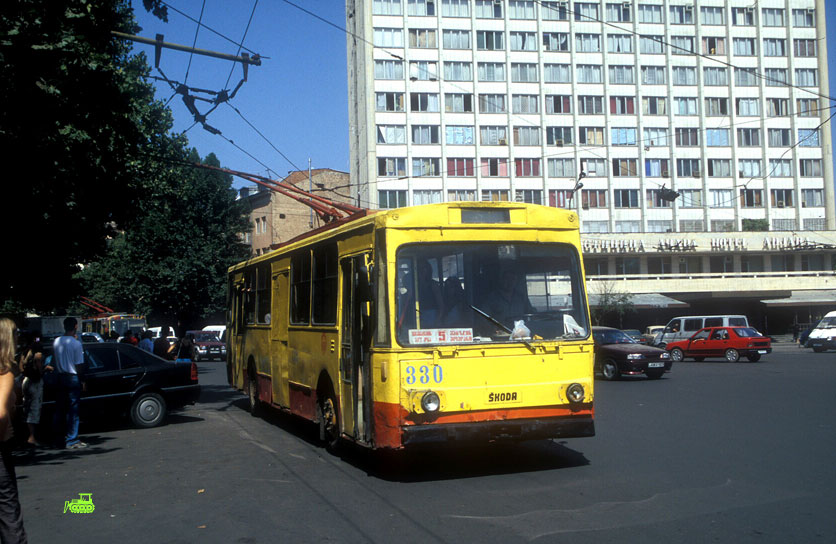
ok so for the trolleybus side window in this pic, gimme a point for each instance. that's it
(300, 288)
(262, 293)
(325, 285)
(381, 298)
(249, 295)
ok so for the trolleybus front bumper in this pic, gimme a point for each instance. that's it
(519, 429)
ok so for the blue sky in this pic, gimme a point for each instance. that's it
(297, 98)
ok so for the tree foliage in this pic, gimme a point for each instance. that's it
(610, 305)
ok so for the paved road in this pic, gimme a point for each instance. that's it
(712, 452)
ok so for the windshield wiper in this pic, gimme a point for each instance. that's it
(500, 325)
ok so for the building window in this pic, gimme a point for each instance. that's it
(461, 168)
(810, 168)
(389, 101)
(781, 198)
(488, 9)
(622, 75)
(559, 136)
(387, 7)
(658, 225)
(649, 13)
(423, 102)
(652, 45)
(588, 43)
(682, 45)
(749, 137)
(751, 198)
(744, 47)
(690, 198)
(521, 9)
(745, 77)
(743, 16)
(590, 73)
(682, 15)
(774, 47)
(806, 77)
(749, 168)
(529, 196)
(555, 41)
(691, 264)
(493, 135)
(527, 168)
(653, 75)
(391, 167)
(554, 11)
(775, 77)
(623, 105)
(524, 72)
(687, 137)
(712, 15)
(684, 75)
(772, 17)
(523, 41)
(717, 137)
(425, 134)
(780, 168)
(422, 38)
(391, 134)
(722, 225)
(526, 135)
(688, 167)
(456, 39)
(595, 226)
(784, 224)
(494, 195)
(747, 107)
(525, 103)
(458, 71)
(654, 105)
(656, 168)
(619, 43)
(628, 226)
(458, 135)
(807, 107)
(420, 197)
(804, 18)
(719, 168)
(492, 103)
(808, 137)
(654, 199)
(558, 103)
(562, 198)
(459, 195)
(722, 198)
(815, 224)
(391, 199)
(593, 198)
(586, 11)
(590, 105)
(495, 167)
(812, 262)
(625, 198)
(557, 73)
(591, 135)
(715, 77)
(491, 71)
(490, 40)
(619, 13)
(594, 167)
(625, 168)
(561, 168)
(777, 107)
(623, 136)
(455, 8)
(812, 198)
(387, 37)
(388, 69)
(779, 137)
(712, 45)
(458, 103)
(426, 167)
(421, 7)
(805, 48)
(715, 107)
(423, 70)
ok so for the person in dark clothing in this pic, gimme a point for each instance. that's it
(128, 337)
(11, 519)
(161, 346)
(185, 348)
(796, 330)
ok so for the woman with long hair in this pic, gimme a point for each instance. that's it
(11, 520)
(32, 368)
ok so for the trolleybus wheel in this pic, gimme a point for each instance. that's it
(252, 394)
(329, 426)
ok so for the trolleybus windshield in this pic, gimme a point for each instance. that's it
(475, 292)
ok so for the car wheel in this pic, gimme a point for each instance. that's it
(732, 355)
(148, 410)
(609, 370)
(329, 426)
(655, 374)
(699, 359)
(252, 394)
(754, 357)
(677, 355)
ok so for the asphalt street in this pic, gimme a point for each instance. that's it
(714, 451)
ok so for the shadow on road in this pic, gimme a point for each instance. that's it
(56, 456)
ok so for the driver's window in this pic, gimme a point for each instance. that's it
(718, 334)
(702, 335)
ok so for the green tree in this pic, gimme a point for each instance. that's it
(608, 306)
(77, 118)
(170, 263)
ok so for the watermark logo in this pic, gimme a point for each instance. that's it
(82, 505)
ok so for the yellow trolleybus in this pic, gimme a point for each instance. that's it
(436, 323)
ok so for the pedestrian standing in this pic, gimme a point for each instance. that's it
(185, 348)
(162, 348)
(68, 356)
(128, 337)
(146, 344)
(11, 519)
(796, 329)
(32, 367)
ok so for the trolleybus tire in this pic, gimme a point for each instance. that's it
(253, 403)
(329, 426)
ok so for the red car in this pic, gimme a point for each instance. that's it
(728, 342)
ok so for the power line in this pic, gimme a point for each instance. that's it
(212, 30)
(194, 43)
(244, 37)
(285, 157)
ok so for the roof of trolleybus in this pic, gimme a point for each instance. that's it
(449, 215)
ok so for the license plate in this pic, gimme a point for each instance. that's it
(655, 365)
(762, 351)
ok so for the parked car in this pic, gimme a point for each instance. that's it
(681, 328)
(729, 342)
(616, 355)
(120, 378)
(635, 334)
(652, 333)
(91, 337)
(207, 345)
(823, 336)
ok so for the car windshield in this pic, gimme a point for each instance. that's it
(613, 336)
(205, 336)
(827, 323)
(480, 292)
(746, 332)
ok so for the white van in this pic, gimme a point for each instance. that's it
(823, 337)
(680, 328)
(220, 329)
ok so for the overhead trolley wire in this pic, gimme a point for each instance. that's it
(212, 30)
(194, 42)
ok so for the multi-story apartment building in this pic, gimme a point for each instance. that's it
(599, 106)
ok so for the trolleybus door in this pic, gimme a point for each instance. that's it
(278, 337)
(355, 374)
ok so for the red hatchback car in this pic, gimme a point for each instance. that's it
(728, 342)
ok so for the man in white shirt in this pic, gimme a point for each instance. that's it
(67, 355)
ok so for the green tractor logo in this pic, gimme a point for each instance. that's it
(82, 505)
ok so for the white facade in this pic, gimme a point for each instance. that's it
(513, 100)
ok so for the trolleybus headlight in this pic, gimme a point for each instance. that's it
(575, 393)
(430, 402)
